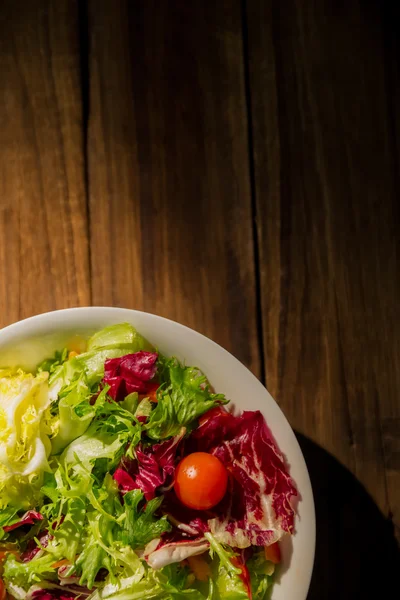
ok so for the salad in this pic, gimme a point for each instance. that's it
(124, 476)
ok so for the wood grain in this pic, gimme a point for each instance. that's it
(328, 217)
(390, 409)
(170, 205)
(43, 242)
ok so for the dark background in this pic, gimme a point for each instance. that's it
(233, 166)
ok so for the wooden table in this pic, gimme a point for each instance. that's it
(233, 166)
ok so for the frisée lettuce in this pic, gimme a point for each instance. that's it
(24, 440)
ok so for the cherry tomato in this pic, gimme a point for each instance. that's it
(200, 481)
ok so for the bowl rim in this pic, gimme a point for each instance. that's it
(53, 316)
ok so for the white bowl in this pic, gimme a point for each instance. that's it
(27, 342)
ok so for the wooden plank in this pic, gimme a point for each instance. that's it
(170, 204)
(43, 243)
(390, 409)
(327, 213)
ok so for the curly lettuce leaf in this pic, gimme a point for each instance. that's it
(24, 443)
(100, 534)
(74, 414)
(111, 535)
(85, 513)
(67, 536)
(93, 445)
(7, 516)
(229, 575)
(261, 574)
(112, 429)
(23, 574)
(171, 583)
(92, 558)
(141, 525)
(184, 396)
(51, 364)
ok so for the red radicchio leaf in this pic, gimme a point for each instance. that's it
(257, 508)
(142, 418)
(153, 467)
(191, 522)
(28, 519)
(124, 480)
(130, 373)
(52, 595)
(32, 548)
(170, 550)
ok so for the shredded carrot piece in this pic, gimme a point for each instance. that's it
(60, 563)
(200, 568)
(3, 553)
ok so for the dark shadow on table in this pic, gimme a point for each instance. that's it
(357, 555)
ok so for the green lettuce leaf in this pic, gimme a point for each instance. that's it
(261, 574)
(102, 532)
(128, 588)
(184, 396)
(144, 408)
(92, 558)
(67, 535)
(68, 489)
(171, 583)
(7, 517)
(117, 336)
(24, 574)
(141, 525)
(229, 584)
(51, 364)
(24, 443)
(95, 445)
(103, 549)
(107, 436)
(74, 413)
(114, 531)
(130, 402)
(176, 581)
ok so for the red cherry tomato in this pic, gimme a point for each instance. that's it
(200, 481)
